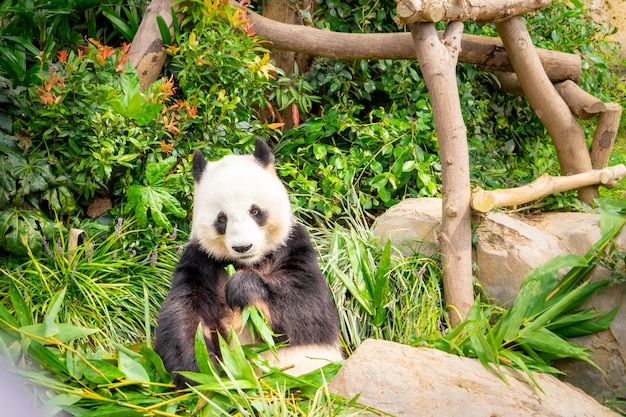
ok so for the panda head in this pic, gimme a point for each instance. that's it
(241, 208)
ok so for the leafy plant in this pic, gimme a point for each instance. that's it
(33, 27)
(534, 331)
(223, 69)
(154, 196)
(134, 382)
(380, 293)
(112, 282)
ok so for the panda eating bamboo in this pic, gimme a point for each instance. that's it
(242, 217)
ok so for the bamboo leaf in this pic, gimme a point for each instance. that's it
(546, 341)
(50, 326)
(533, 292)
(133, 370)
(22, 312)
(156, 363)
(202, 353)
(589, 326)
(101, 372)
(234, 359)
(568, 301)
(65, 332)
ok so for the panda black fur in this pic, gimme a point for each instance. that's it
(242, 217)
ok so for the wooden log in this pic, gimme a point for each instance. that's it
(147, 53)
(604, 137)
(438, 59)
(487, 52)
(582, 104)
(484, 201)
(568, 136)
(409, 11)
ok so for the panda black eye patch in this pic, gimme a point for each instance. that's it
(259, 216)
(220, 223)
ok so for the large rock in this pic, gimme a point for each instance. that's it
(407, 381)
(506, 249)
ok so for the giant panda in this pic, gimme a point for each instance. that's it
(242, 217)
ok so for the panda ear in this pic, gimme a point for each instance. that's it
(263, 153)
(198, 165)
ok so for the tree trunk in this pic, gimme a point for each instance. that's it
(437, 59)
(147, 53)
(287, 12)
(567, 135)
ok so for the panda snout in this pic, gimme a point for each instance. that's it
(242, 248)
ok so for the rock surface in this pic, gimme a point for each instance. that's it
(407, 381)
(506, 249)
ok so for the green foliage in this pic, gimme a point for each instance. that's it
(378, 163)
(31, 28)
(533, 332)
(223, 70)
(380, 293)
(134, 382)
(111, 282)
(154, 196)
(508, 144)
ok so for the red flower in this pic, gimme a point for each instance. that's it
(62, 56)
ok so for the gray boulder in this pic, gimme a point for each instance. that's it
(507, 248)
(406, 381)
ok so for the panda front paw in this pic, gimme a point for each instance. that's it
(245, 288)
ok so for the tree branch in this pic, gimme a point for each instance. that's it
(409, 11)
(487, 52)
(484, 201)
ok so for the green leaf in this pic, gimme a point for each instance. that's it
(64, 332)
(260, 324)
(22, 312)
(50, 326)
(101, 372)
(157, 171)
(381, 286)
(202, 353)
(234, 359)
(533, 292)
(582, 328)
(118, 23)
(19, 232)
(546, 341)
(45, 358)
(133, 370)
(156, 363)
(164, 30)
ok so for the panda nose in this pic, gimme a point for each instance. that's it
(242, 249)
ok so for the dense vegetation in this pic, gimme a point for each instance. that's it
(77, 134)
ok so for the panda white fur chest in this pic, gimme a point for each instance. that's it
(242, 217)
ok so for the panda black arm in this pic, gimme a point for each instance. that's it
(291, 288)
(245, 288)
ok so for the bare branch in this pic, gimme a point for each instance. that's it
(484, 201)
(410, 11)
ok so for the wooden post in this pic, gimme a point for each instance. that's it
(604, 138)
(437, 59)
(567, 135)
(147, 52)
